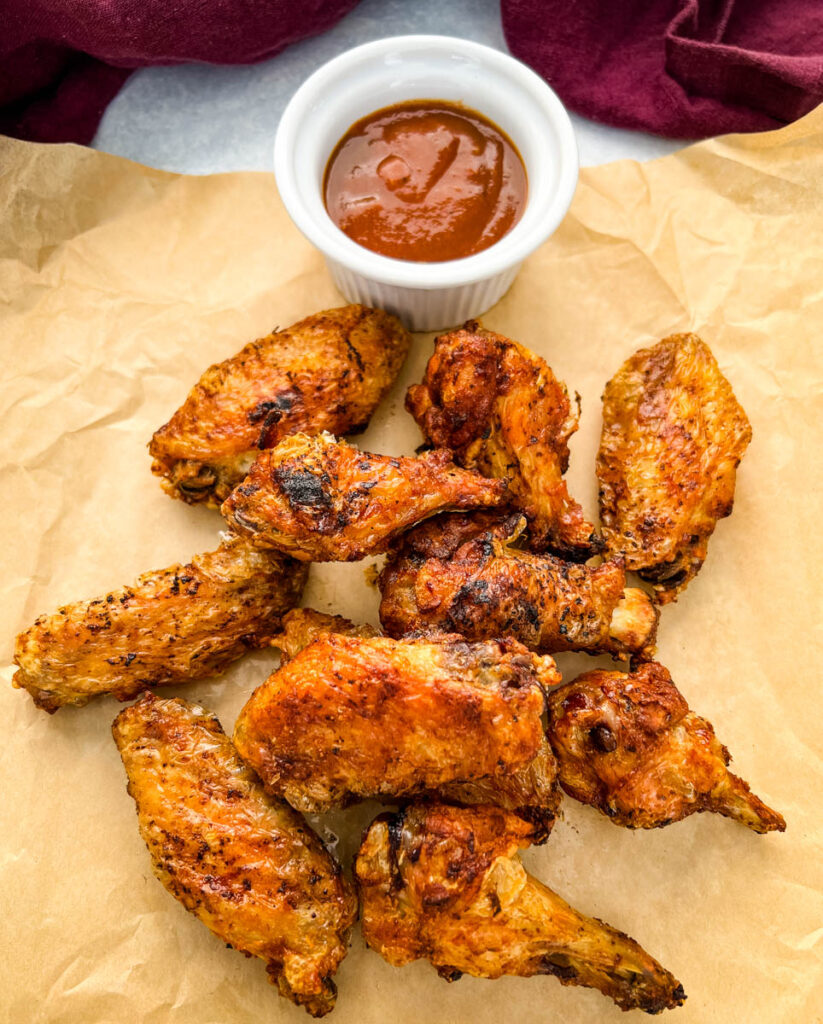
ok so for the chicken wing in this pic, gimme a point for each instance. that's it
(302, 626)
(245, 864)
(323, 500)
(629, 746)
(502, 411)
(327, 372)
(459, 573)
(351, 718)
(446, 884)
(171, 626)
(673, 437)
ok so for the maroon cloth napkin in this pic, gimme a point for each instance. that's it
(683, 68)
(63, 61)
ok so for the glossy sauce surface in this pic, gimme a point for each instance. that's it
(425, 181)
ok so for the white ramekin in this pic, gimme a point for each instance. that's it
(426, 296)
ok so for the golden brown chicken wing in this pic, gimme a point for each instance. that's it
(351, 717)
(323, 500)
(629, 746)
(302, 626)
(673, 437)
(446, 883)
(327, 372)
(459, 573)
(502, 411)
(245, 864)
(171, 626)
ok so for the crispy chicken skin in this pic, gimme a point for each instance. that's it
(322, 500)
(302, 626)
(673, 437)
(245, 864)
(446, 884)
(460, 573)
(502, 411)
(327, 372)
(351, 718)
(171, 626)
(629, 746)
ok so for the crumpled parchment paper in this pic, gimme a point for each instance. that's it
(120, 284)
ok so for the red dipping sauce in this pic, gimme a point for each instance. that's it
(425, 181)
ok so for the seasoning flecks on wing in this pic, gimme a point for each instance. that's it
(171, 626)
(461, 573)
(245, 864)
(502, 411)
(673, 437)
(628, 745)
(327, 372)
(323, 500)
(446, 884)
(351, 718)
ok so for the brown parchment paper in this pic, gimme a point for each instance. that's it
(120, 284)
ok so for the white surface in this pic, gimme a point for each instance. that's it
(202, 119)
(426, 296)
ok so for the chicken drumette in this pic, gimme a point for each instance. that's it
(245, 864)
(171, 626)
(502, 411)
(629, 746)
(327, 372)
(446, 884)
(673, 437)
(323, 500)
(351, 717)
(460, 573)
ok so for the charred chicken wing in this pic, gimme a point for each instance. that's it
(323, 500)
(673, 437)
(446, 884)
(630, 746)
(459, 573)
(352, 717)
(171, 626)
(245, 864)
(502, 411)
(327, 372)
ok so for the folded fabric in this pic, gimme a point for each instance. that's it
(62, 61)
(682, 68)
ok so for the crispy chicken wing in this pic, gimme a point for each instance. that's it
(673, 437)
(327, 372)
(446, 883)
(460, 573)
(245, 864)
(351, 717)
(171, 626)
(323, 500)
(630, 746)
(502, 411)
(302, 626)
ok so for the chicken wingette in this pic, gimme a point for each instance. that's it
(673, 437)
(459, 573)
(502, 411)
(245, 864)
(351, 718)
(446, 884)
(629, 746)
(171, 626)
(327, 372)
(322, 500)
